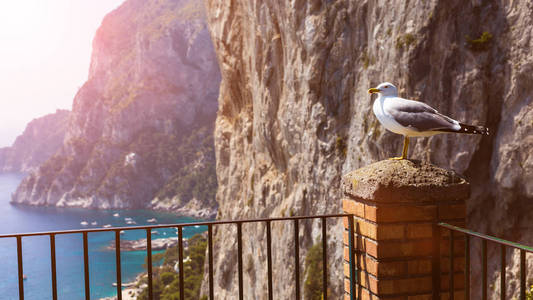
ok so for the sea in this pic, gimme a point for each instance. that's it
(69, 248)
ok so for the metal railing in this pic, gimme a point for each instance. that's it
(180, 226)
(504, 244)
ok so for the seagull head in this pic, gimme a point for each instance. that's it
(384, 89)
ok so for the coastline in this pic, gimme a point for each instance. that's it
(140, 244)
(132, 290)
(193, 208)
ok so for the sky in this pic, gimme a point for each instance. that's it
(45, 51)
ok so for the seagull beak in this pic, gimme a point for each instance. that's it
(373, 91)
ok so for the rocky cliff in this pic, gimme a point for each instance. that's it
(294, 114)
(39, 141)
(143, 120)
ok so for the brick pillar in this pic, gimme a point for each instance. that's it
(396, 204)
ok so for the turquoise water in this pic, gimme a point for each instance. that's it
(69, 248)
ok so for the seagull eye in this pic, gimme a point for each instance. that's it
(386, 87)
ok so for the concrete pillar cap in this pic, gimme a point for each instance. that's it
(404, 181)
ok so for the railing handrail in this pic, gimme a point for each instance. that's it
(484, 281)
(203, 223)
(487, 237)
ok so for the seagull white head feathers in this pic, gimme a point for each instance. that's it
(385, 89)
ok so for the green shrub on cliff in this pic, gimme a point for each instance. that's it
(480, 44)
(197, 178)
(313, 273)
(167, 280)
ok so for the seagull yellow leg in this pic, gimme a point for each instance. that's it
(405, 148)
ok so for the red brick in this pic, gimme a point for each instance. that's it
(419, 266)
(458, 264)
(452, 211)
(350, 206)
(346, 269)
(458, 247)
(380, 231)
(421, 297)
(371, 213)
(458, 281)
(457, 295)
(404, 213)
(405, 286)
(346, 285)
(397, 249)
(417, 231)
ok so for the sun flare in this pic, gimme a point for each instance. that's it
(24, 19)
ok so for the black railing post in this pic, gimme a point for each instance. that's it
(451, 287)
(86, 266)
(435, 263)
(523, 271)
(502, 272)
(180, 258)
(359, 260)
(149, 262)
(351, 237)
(210, 253)
(484, 269)
(297, 258)
(324, 260)
(53, 265)
(20, 268)
(118, 265)
(467, 267)
(269, 260)
(239, 259)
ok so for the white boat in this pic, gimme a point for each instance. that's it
(116, 215)
(152, 220)
(131, 222)
(125, 284)
(196, 226)
(154, 232)
(94, 223)
(122, 232)
(107, 225)
(84, 223)
(128, 219)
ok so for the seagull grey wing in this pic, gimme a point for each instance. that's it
(419, 116)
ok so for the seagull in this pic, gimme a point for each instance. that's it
(413, 118)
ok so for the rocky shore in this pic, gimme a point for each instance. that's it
(132, 290)
(138, 245)
(194, 208)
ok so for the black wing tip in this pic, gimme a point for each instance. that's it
(465, 128)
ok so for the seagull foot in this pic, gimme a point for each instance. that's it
(397, 158)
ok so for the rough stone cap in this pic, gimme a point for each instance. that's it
(397, 181)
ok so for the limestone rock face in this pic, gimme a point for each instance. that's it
(294, 114)
(39, 141)
(143, 121)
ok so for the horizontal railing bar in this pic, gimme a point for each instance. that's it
(486, 237)
(204, 223)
